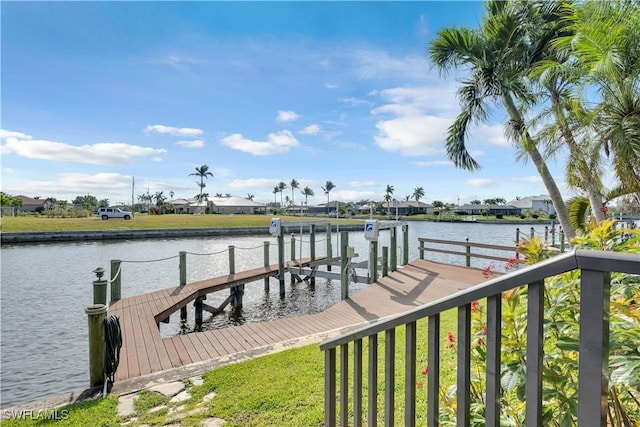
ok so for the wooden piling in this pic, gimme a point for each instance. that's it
(312, 250)
(237, 291)
(100, 291)
(183, 281)
(344, 265)
(281, 264)
(405, 244)
(467, 249)
(198, 308)
(394, 248)
(373, 261)
(266, 264)
(293, 248)
(116, 275)
(97, 345)
(385, 261)
(329, 245)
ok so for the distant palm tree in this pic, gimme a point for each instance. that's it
(387, 197)
(281, 186)
(250, 196)
(418, 193)
(328, 186)
(276, 190)
(294, 184)
(306, 192)
(171, 193)
(202, 172)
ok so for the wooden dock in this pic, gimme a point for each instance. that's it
(145, 352)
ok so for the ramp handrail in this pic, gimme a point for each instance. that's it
(593, 346)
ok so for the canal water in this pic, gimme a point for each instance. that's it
(46, 288)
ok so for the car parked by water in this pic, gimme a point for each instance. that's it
(107, 213)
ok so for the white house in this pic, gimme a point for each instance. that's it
(534, 203)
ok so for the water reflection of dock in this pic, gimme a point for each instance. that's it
(145, 352)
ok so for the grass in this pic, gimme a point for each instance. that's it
(32, 223)
(282, 389)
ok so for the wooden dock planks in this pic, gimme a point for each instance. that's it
(145, 351)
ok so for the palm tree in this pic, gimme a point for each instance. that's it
(418, 193)
(250, 196)
(387, 196)
(294, 184)
(202, 172)
(276, 190)
(159, 198)
(281, 186)
(328, 186)
(306, 192)
(495, 56)
(171, 193)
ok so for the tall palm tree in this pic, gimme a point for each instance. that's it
(250, 196)
(306, 192)
(387, 197)
(293, 184)
(276, 190)
(495, 57)
(328, 186)
(281, 186)
(418, 193)
(202, 172)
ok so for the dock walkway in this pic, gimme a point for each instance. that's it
(144, 351)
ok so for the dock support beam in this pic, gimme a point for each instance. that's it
(329, 245)
(394, 248)
(183, 281)
(385, 261)
(312, 251)
(198, 306)
(373, 262)
(236, 291)
(344, 265)
(405, 244)
(266, 264)
(97, 345)
(115, 276)
(281, 264)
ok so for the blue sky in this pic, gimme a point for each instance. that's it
(94, 93)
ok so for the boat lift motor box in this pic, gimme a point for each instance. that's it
(274, 227)
(371, 230)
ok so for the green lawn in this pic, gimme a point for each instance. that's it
(33, 223)
(282, 389)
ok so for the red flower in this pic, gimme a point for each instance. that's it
(605, 209)
(475, 306)
(511, 262)
(480, 341)
(425, 370)
(452, 339)
(486, 271)
(552, 230)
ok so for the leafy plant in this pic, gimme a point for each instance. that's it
(561, 332)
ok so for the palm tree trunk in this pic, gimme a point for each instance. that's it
(541, 166)
(594, 195)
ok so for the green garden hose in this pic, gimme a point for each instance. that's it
(113, 337)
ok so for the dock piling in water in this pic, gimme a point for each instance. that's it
(97, 345)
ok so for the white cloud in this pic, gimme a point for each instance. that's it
(331, 86)
(311, 130)
(480, 182)
(69, 185)
(286, 116)
(106, 153)
(196, 143)
(357, 184)
(276, 143)
(412, 133)
(174, 131)
(491, 135)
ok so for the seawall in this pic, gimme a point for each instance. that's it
(96, 235)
